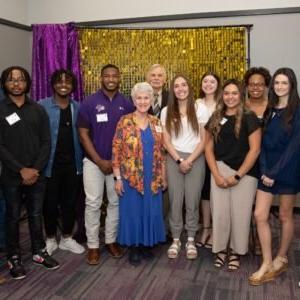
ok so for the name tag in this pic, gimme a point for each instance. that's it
(102, 118)
(12, 119)
(223, 121)
(158, 129)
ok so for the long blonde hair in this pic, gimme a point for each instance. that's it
(214, 126)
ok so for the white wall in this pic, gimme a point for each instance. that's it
(58, 11)
(14, 10)
(15, 47)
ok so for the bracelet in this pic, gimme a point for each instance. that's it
(117, 177)
(179, 160)
(237, 177)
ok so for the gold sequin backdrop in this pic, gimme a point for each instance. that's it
(191, 51)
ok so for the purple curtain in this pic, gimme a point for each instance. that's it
(54, 46)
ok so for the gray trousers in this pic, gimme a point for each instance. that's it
(231, 212)
(185, 187)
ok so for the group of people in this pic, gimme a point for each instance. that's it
(157, 155)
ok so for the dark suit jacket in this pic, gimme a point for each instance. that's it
(164, 102)
(1, 94)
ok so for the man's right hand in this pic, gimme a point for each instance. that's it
(29, 175)
(105, 166)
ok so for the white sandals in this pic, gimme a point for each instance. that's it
(174, 249)
(191, 250)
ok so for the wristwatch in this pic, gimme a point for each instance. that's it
(179, 161)
(117, 177)
(237, 177)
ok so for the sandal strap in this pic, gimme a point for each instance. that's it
(219, 261)
(282, 259)
(200, 244)
(232, 259)
(190, 247)
(175, 246)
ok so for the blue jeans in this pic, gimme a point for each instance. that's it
(2, 220)
(34, 196)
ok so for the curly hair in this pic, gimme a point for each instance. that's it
(7, 73)
(57, 77)
(265, 73)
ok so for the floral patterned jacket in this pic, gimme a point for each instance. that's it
(127, 152)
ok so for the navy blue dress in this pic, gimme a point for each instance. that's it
(280, 154)
(141, 218)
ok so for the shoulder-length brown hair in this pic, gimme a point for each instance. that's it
(173, 119)
(214, 126)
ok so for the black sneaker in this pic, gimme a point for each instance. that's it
(45, 260)
(16, 268)
(146, 253)
(134, 257)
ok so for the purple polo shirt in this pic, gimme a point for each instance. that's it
(100, 115)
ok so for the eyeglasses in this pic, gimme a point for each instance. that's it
(13, 80)
(256, 84)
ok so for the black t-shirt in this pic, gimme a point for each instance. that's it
(64, 153)
(231, 150)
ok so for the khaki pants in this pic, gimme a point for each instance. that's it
(94, 180)
(231, 212)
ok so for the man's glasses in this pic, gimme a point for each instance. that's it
(15, 80)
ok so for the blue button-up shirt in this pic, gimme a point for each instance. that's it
(53, 111)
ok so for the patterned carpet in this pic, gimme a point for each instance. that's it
(159, 279)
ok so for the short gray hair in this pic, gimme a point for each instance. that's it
(142, 87)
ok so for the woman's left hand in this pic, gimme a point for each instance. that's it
(119, 187)
(185, 166)
(231, 181)
(267, 181)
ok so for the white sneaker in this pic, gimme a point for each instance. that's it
(71, 245)
(51, 245)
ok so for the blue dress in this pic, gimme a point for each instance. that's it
(280, 154)
(141, 218)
